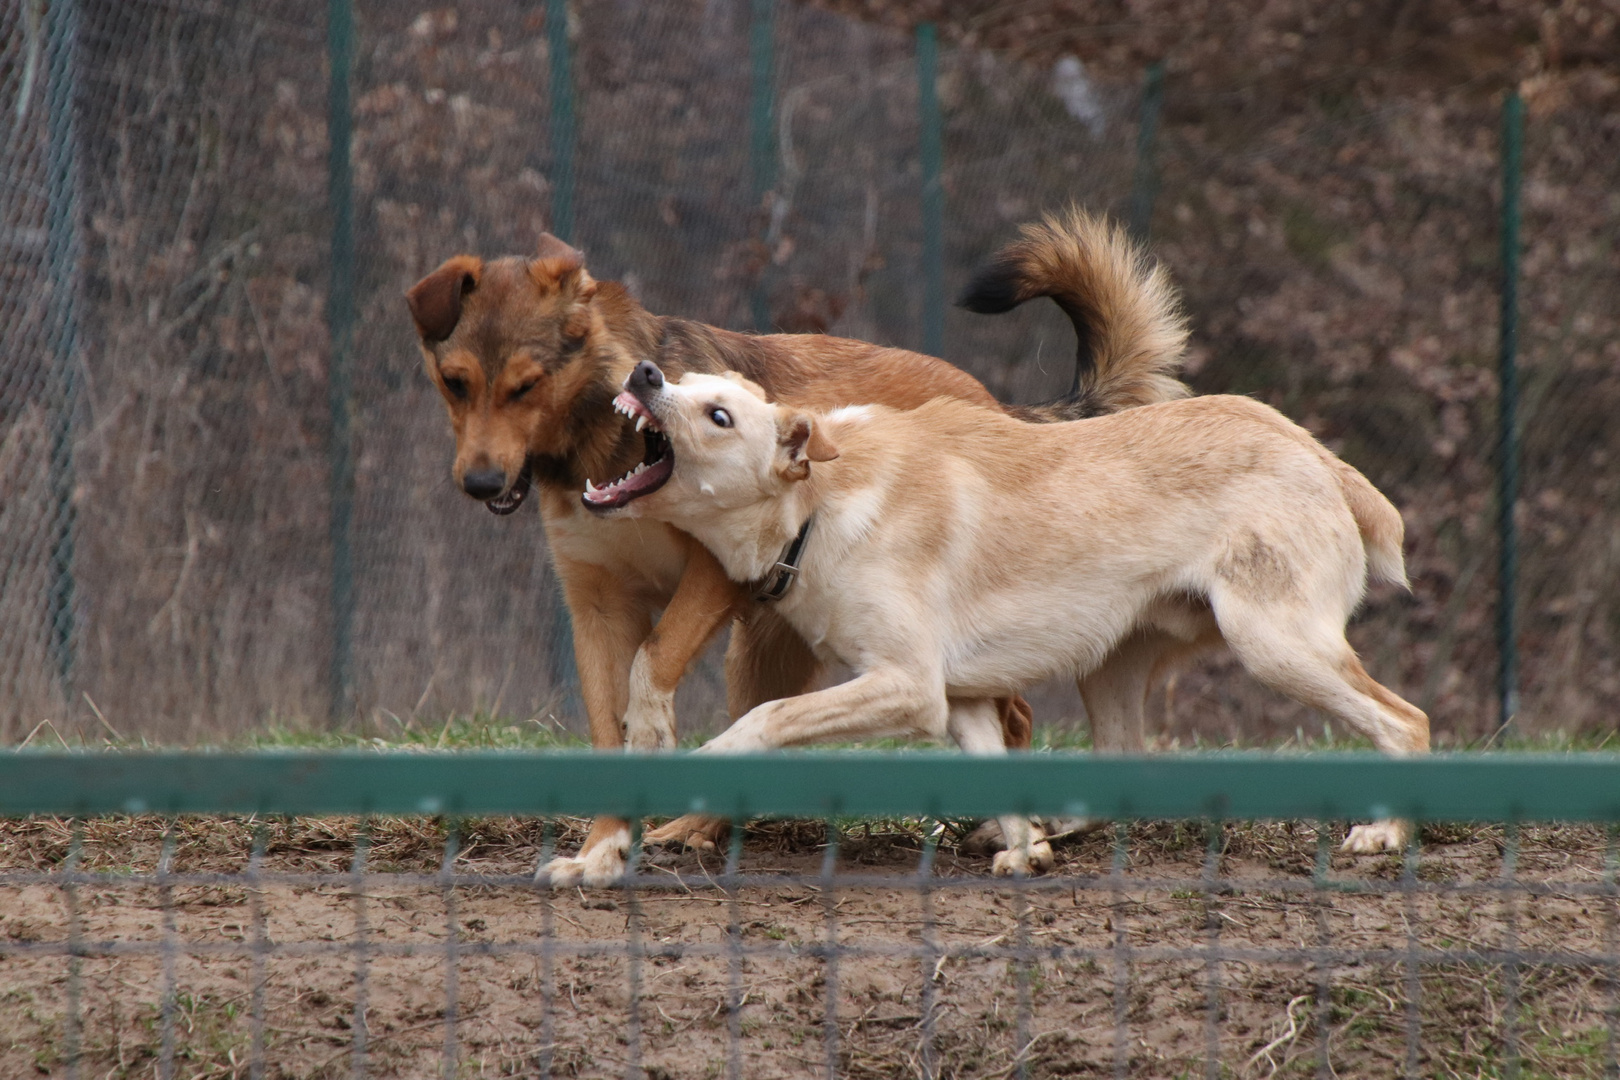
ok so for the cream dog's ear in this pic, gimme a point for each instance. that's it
(802, 441)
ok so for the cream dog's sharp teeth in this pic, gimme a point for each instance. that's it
(641, 422)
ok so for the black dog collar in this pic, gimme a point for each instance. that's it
(786, 571)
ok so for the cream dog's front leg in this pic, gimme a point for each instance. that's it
(882, 702)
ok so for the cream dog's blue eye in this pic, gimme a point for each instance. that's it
(720, 417)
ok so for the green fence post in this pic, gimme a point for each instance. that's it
(932, 147)
(563, 142)
(340, 327)
(562, 119)
(1507, 435)
(63, 254)
(1145, 183)
(762, 129)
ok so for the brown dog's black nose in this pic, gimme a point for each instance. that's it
(645, 377)
(485, 484)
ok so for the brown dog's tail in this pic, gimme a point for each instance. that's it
(1125, 312)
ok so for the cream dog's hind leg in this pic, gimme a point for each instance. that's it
(1303, 653)
(1115, 696)
(887, 701)
(975, 725)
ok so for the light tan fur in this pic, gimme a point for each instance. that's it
(957, 554)
(528, 353)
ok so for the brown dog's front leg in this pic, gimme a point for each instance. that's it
(704, 600)
(609, 623)
(766, 660)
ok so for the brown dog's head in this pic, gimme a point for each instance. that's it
(508, 344)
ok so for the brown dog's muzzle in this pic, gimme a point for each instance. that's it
(489, 487)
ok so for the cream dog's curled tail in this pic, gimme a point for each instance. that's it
(1126, 313)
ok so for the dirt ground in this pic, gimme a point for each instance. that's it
(1266, 1023)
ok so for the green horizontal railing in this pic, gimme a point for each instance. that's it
(1461, 787)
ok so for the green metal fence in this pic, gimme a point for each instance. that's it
(210, 934)
(1441, 787)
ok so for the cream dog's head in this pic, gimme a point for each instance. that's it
(729, 448)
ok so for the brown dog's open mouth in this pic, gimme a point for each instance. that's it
(512, 497)
(655, 468)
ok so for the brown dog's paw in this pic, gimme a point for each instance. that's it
(696, 832)
(599, 865)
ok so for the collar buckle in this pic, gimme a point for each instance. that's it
(785, 571)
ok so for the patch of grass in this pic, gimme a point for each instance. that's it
(459, 731)
(482, 730)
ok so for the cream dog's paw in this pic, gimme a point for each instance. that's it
(696, 832)
(1378, 837)
(987, 838)
(1023, 862)
(984, 840)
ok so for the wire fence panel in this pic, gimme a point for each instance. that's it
(186, 945)
(170, 551)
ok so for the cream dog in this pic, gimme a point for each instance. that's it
(952, 554)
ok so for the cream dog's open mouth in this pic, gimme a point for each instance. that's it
(654, 471)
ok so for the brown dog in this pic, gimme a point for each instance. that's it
(529, 355)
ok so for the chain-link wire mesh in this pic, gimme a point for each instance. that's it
(330, 947)
(166, 434)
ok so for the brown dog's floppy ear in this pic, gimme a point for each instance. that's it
(803, 441)
(436, 300)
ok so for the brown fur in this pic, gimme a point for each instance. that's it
(1127, 319)
(529, 353)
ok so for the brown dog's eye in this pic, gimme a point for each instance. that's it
(524, 389)
(456, 388)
